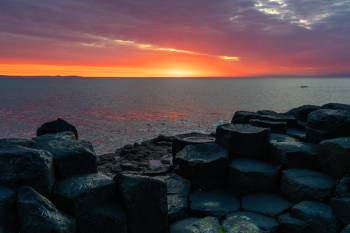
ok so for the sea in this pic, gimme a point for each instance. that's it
(114, 112)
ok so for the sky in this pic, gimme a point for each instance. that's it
(174, 38)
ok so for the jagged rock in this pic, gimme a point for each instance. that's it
(215, 203)
(109, 218)
(25, 166)
(336, 106)
(341, 208)
(194, 225)
(243, 117)
(335, 160)
(182, 140)
(251, 176)
(145, 200)
(79, 194)
(266, 224)
(274, 126)
(240, 224)
(297, 133)
(346, 229)
(240, 138)
(7, 210)
(71, 157)
(295, 154)
(6, 142)
(289, 224)
(56, 126)
(178, 190)
(343, 187)
(327, 123)
(182, 225)
(302, 184)
(318, 216)
(36, 214)
(301, 113)
(205, 165)
(265, 203)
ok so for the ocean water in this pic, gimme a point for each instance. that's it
(113, 112)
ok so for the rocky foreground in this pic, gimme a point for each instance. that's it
(264, 172)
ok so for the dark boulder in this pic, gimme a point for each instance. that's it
(327, 123)
(302, 184)
(336, 106)
(205, 165)
(244, 140)
(79, 194)
(343, 187)
(301, 113)
(21, 166)
(251, 176)
(266, 204)
(291, 121)
(276, 137)
(243, 117)
(335, 160)
(341, 208)
(182, 140)
(295, 154)
(274, 126)
(319, 217)
(297, 133)
(36, 214)
(56, 126)
(7, 210)
(240, 224)
(71, 157)
(193, 225)
(109, 218)
(346, 229)
(215, 203)
(182, 225)
(289, 224)
(266, 224)
(145, 201)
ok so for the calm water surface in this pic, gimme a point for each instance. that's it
(114, 112)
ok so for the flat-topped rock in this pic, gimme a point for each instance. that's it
(109, 218)
(182, 140)
(57, 126)
(22, 166)
(291, 121)
(303, 184)
(205, 165)
(78, 194)
(266, 204)
(318, 216)
(251, 176)
(7, 210)
(274, 126)
(301, 113)
(289, 224)
(240, 224)
(295, 154)
(243, 117)
(266, 224)
(327, 123)
(341, 208)
(276, 138)
(196, 225)
(239, 138)
(145, 201)
(336, 106)
(71, 157)
(297, 133)
(215, 203)
(36, 214)
(335, 160)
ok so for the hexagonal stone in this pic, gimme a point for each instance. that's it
(295, 154)
(195, 225)
(240, 224)
(335, 160)
(266, 224)
(145, 202)
(318, 216)
(274, 126)
(109, 218)
(249, 176)
(243, 117)
(289, 224)
(36, 214)
(182, 140)
(277, 137)
(71, 157)
(297, 133)
(341, 208)
(205, 165)
(266, 204)
(302, 184)
(240, 138)
(22, 166)
(180, 226)
(301, 113)
(215, 203)
(78, 194)
(7, 210)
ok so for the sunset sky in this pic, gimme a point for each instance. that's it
(174, 38)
